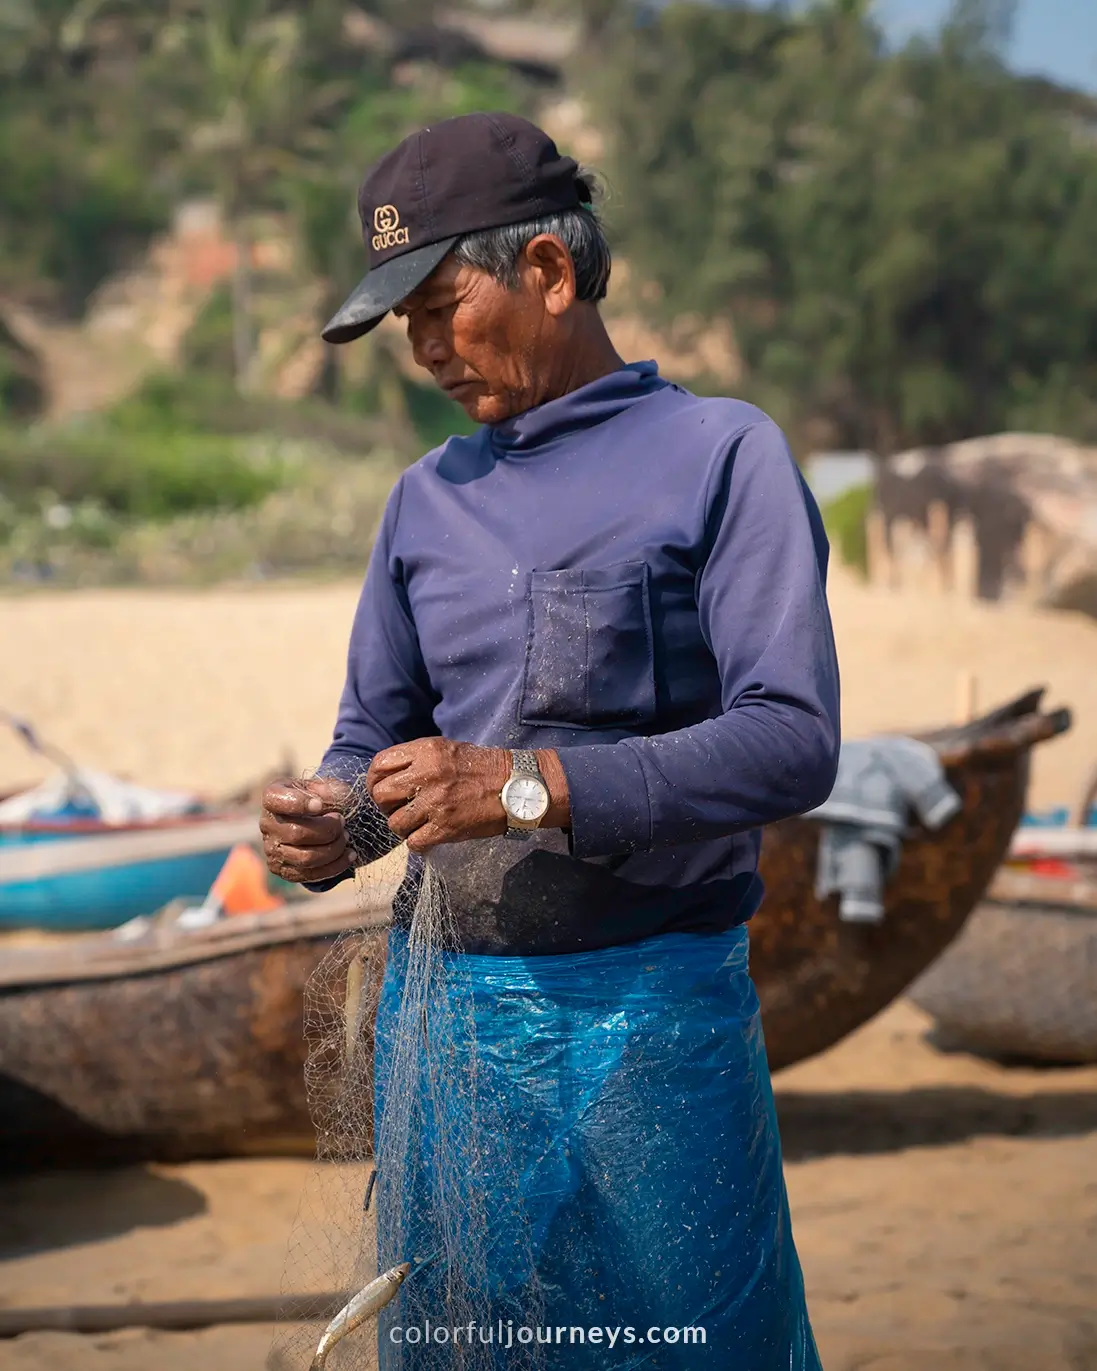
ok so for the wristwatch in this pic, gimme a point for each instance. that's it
(525, 796)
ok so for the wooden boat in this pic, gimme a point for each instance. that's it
(176, 1043)
(187, 1043)
(73, 875)
(819, 978)
(1021, 979)
(1067, 843)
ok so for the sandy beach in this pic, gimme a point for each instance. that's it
(945, 1207)
(208, 690)
(945, 1210)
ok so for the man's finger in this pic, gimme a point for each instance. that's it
(306, 858)
(394, 791)
(322, 873)
(407, 818)
(303, 832)
(427, 836)
(292, 798)
(333, 793)
(387, 763)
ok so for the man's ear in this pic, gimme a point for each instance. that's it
(551, 270)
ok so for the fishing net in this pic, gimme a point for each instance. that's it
(567, 1149)
(421, 1161)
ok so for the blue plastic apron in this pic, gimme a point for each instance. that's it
(614, 1164)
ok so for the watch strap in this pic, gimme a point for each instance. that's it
(523, 762)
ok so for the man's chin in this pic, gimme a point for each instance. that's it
(481, 406)
(483, 409)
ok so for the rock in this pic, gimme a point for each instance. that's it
(1012, 516)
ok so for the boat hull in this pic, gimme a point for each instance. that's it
(59, 881)
(217, 1070)
(85, 901)
(1020, 982)
(818, 977)
(196, 1046)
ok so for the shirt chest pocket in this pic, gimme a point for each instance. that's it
(589, 657)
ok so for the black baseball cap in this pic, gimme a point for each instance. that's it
(476, 171)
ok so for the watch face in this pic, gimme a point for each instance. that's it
(525, 798)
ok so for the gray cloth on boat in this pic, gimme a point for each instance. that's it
(880, 782)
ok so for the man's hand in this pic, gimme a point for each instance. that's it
(302, 827)
(434, 791)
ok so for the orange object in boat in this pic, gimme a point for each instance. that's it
(241, 884)
(1053, 866)
(1044, 866)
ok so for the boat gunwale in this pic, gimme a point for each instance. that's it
(100, 828)
(171, 948)
(25, 863)
(1023, 890)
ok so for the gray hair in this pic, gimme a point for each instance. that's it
(497, 251)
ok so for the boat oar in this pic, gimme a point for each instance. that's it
(176, 1315)
(34, 740)
(25, 730)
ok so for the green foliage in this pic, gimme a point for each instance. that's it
(109, 114)
(21, 391)
(186, 481)
(79, 189)
(70, 212)
(130, 474)
(207, 347)
(902, 242)
(845, 519)
(323, 523)
(192, 402)
(111, 111)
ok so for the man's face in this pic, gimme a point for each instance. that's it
(487, 347)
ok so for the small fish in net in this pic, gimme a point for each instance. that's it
(364, 1306)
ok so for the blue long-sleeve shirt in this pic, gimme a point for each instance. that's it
(634, 576)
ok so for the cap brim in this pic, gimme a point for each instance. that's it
(386, 285)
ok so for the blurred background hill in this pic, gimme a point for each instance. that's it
(888, 246)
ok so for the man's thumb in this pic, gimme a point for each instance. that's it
(313, 795)
(326, 793)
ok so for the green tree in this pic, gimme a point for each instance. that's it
(898, 239)
(258, 116)
(76, 201)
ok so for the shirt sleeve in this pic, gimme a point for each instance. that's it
(387, 696)
(773, 751)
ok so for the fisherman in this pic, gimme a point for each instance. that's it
(592, 658)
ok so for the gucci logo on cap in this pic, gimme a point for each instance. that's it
(388, 234)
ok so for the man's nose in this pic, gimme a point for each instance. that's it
(429, 348)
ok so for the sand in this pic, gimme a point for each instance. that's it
(945, 1210)
(945, 1207)
(208, 690)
